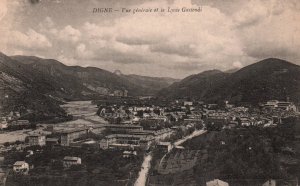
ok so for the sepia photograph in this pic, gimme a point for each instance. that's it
(149, 92)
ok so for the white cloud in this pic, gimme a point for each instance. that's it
(67, 60)
(83, 52)
(237, 64)
(177, 44)
(276, 35)
(31, 40)
(251, 13)
(3, 8)
(69, 33)
(206, 38)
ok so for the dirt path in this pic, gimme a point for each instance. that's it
(143, 174)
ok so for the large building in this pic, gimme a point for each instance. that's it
(217, 119)
(283, 105)
(158, 135)
(126, 141)
(69, 135)
(123, 128)
(37, 140)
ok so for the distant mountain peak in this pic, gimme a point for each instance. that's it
(271, 78)
(275, 61)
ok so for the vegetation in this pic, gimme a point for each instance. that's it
(98, 167)
(265, 80)
(255, 153)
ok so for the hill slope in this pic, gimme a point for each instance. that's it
(32, 84)
(268, 79)
(152, 84)
(24, 91)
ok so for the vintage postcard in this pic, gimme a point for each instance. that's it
(149, 92)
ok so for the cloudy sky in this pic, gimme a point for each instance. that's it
(224, 35)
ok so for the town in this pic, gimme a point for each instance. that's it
(110, 139)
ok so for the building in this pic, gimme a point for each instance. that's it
(107, 141)
(282, 105)
(21, 167)
(52, 141)
(3, 125)
(123, 128)
(20, 123)
(270, 183)
(120, 93)
(217, 120)
(126, 141)
(188, 103)
(158, 134)
(129, 154)
(217, 182)
(69, 161)
(69, 135)
(37, 140)
(244, 121)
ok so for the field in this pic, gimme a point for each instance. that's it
(13, 136)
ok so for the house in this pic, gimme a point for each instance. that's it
(52, 141)
(69, 161)
(107, 141)
(120, 93)
(128, 154)
(217, 182)
(188, 103)
(3, 125)
(244, 121)
(21, 167)
(270, 183)
(37, 139)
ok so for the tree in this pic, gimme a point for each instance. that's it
(6, 144)
(57, 165)
(140, 113)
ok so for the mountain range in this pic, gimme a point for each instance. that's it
(265, 80)
(31, 84)
(36, 86)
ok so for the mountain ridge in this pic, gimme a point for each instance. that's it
(51, 82)
(270, 78)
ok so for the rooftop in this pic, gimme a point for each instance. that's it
(19, 163)
(70, 158)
